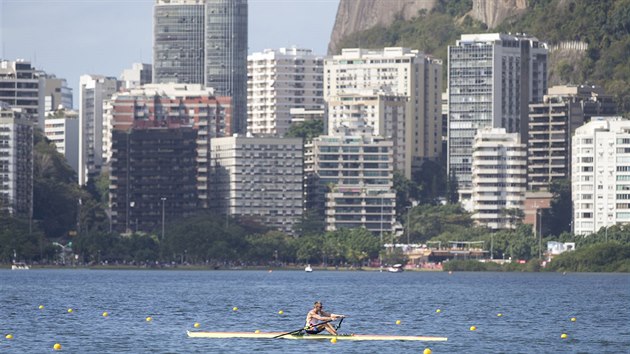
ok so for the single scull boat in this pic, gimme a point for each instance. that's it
(271, 335)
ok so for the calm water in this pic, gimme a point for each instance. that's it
(536, 310)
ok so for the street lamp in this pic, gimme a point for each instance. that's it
(163, 199)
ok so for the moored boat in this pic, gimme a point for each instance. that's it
(19, 266)
(396, 268)
(308, 268)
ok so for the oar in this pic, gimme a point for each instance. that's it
(301, 329)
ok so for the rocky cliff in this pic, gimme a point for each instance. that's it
(358, 15)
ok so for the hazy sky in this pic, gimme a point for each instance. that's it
(70, 38)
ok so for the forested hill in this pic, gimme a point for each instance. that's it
(589, 40)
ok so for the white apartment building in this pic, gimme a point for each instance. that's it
(499, 178)
(61, 127)
(350, 180)
(16, 161)
(600, 174)
(492, 78)
(139, 74)
(259, 177)
(93, 91)
(278, 81)
(374, 112)
(404, 72)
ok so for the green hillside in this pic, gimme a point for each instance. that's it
(603, 24)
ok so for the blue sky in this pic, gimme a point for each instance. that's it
(70, 38)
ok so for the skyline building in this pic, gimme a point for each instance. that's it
(499, 178)
(404, 72)
(349, 180)
(139, 74)
(600, 174)
(93, 91)
(492, 78)
(259, 177)
(204, 42)
(61, 127)
(16, 161)
(184, 104)
(280, 80)
(553, 122)
(22, 86)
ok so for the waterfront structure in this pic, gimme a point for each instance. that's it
(139, 74)
(152, 175)
(374, 112)
(499, 178)
(189, 104)
(492, 78)
(61, 127)
(553, 122)
(349, 180)
(404, 72)
(93, 91)
(204, 42)
(600, 174)
(21, 86)
(279, 81)
(57, 94)
(16, 161)
(259, 178)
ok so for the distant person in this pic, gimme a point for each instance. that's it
(318, 320)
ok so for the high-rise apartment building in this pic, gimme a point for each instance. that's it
(404, 72)
(16, 161)
(93, 91)
(278, 81)
(204, 42)
(600, 174)
(491, 80)
(499, 178)
(61, 127)
(139, 74)
(178, 41)
(350, 179)
(259, 177)
(152, 175)
(553, 122)
(185, 104)
(375, 113)
(21, 86)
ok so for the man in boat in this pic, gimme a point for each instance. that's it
(318, 320)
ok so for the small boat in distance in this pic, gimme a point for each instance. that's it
(19, 266)
(308, 268)
(396, 268)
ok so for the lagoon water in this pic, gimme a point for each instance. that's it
(536, 309)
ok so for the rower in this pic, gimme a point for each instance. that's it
(318, 320)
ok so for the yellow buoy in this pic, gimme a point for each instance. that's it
(234, 308)
(397, 322)
(473, 328)
(41, 307)
(9, 336)
(57, 346)
(70, 310)
(427, 351)
(257, 331)
(438, 311)
(563, 336)
(499, 315)
(333, 340)
(149, 319)
(105, 314)
(280, 312)
(196, 325)
(573, 319)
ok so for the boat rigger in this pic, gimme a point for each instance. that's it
(271, 335)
